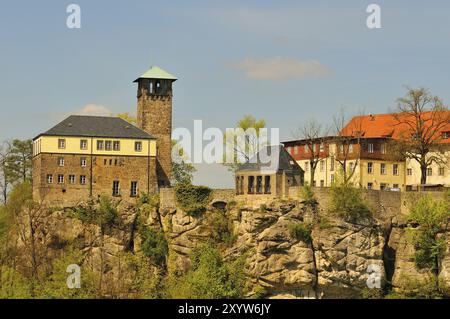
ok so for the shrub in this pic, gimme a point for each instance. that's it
(412, 288)
(210, 277)
(222, 228)
(301, 231)
(151, 200)
(307, 194)
(192, 199)
(372, 293)
(429, 215)
(263, 208)
(107, 214)
(154, 245)
(347, 202)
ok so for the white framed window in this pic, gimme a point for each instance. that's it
(60, 161)
(341, 148)
(322, 147)
(429, 171)
(49, 178)
(60, 179)
(116, 188)
(384, 186)
(332, 163)
(306, 166)
(71, 179)
(383, 169)
(138, 146)
(369, 185)
(395, 170)
(134, 189)
(383, 148)
(100, 145)
(370, 148)
(116, 145)
(409, 171)
(83, 162)
(351, 167)
(350, 148)
(322, 165)
(108, 145)
(441, 171)
(83, 144)
(332, 178)
(369, 167)
(82, 179)
(61, 143)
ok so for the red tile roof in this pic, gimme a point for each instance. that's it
(386, 125)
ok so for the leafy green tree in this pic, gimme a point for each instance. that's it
(243, 143)
(347, 202)
(429, 215)
(210, 277)
(182, 170)
(128, 117)
(55, 286)
(19, 160)
(154, 245)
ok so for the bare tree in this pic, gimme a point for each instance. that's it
(5, 181)
(421, 119)
(348, 137)
(29, 217)
(315, 135)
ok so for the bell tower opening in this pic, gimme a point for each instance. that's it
(154, 115)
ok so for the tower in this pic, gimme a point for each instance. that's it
(154, 115)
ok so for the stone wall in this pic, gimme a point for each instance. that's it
(100, 172)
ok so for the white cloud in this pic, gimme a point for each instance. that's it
(280, 68)
(95, 109)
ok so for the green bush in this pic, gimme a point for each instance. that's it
(210, 277)
(347, 202)
(301, 231)
(192, 199)
(307, 195)
(263, 208)
(429, 215)
(222, 228)
(107, 215)
(154, 246)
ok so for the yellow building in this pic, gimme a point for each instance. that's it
(85, 156)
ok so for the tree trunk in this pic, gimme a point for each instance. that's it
(423, 172)
(311, 181)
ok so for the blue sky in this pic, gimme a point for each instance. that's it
(284, 61)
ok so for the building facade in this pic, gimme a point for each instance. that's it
(367, 162)
(365, 147)
(268, 178)
(90, 156)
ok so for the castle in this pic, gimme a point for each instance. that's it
(90, 156)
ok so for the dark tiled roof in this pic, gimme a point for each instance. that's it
(272, 158)
(96, 126)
